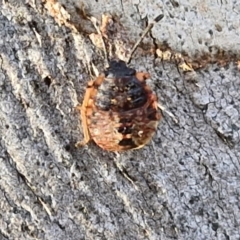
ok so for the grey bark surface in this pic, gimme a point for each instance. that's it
(183, 185)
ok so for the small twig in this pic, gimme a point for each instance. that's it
(95, 24)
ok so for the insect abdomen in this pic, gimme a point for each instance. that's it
(132, 129)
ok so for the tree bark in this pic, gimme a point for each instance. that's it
(183, 185)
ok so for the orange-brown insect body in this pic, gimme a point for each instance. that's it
(119, 110)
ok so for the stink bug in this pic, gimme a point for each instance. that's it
(120, 111)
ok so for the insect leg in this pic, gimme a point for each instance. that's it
(83, 109)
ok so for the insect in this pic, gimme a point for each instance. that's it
(120, 111)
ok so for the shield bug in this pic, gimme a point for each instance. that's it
(120, 111)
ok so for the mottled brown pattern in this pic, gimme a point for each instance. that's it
(127, 117)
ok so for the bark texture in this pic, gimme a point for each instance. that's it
(184, 185)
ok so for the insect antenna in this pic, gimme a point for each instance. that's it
(147, 29)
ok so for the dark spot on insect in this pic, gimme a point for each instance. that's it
(103, 104)
(138, 101)
(125, 120)
(125, 129)
(127, 142)
(119, 69)
(152, 115)
(47, 80)
(114, 88)
(93, 121)
(120, 94)
(7, 126)
(95, 85)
